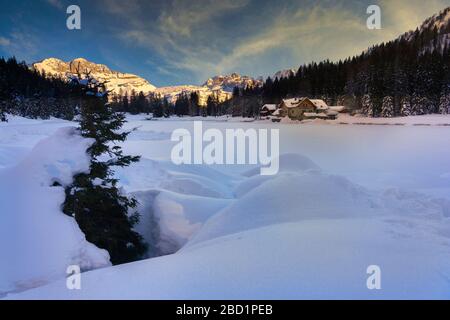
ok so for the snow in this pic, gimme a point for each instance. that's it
(122, 83)
(313, 259)
(320, 104)
(116, 81)
(270, 107)
(38, 242)
(346, 197)
(425, 120)
(292, 103)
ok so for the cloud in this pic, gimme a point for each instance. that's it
(21, 45)
(56, 3)
(183, 16)
(402, 16)
(5, 42)
(206, 37)
(299, 32)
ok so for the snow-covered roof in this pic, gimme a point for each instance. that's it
(270, 107)
(319, 104)
(292, 103)
(276, 112)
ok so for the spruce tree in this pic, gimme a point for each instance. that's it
(2, 115)
(444, 102)
(104, 214)
(367, 106)
(387, 108)
(405, 106)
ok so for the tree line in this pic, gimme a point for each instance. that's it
(32, 94)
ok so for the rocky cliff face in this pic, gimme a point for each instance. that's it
(229, 82)
(117, 82)
(124, 83)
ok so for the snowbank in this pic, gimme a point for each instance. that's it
(38, 242)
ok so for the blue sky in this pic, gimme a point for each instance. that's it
(173, 42)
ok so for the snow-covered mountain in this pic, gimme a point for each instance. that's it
(229, 82)
(117, 82)
(220, 86)
(123, 83)
(434, 32)
(174, 92)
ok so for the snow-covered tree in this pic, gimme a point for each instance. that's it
(444, 102)
(104, 214)
(405, 106)
(420, 105)
(387, 108)
(2, 112)
(367, 106)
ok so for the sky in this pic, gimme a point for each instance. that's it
(174, 42)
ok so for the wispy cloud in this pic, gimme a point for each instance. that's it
(402, 16)
(56, 3)
(181, 17)
(21, 45)
(5, 42)
(207, 37)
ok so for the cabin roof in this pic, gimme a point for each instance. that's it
(292, 103)
(319, 104)
(270, 107)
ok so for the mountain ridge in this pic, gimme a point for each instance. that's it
(121, 83)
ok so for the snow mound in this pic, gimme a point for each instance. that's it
(290, 197)
(289, 162)
(185, 179)
(37, 241)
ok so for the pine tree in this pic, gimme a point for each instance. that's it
(387, 108)
(444, 102)
(2, 114)
(3, 117)
(104, 214)
(405, 106)
(367, 106)
(157, 106)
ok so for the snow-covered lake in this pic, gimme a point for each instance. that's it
(346, 197)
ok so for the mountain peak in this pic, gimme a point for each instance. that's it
(117, 82)
(229, 82)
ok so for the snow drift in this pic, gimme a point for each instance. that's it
(38, 242)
